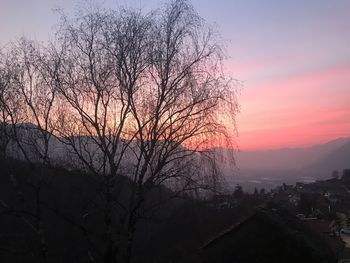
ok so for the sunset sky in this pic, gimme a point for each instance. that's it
(293, 58)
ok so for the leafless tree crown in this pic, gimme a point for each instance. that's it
(122, 93)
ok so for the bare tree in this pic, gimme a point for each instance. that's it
(178, 110)
(27, 100)
(98, 80)
(35, 80)
(133, 95)
(11, 103)
(144, 96)
(4, 117)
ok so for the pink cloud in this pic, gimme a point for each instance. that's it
(298, 136)
(296, 110)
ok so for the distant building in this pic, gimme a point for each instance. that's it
(261, 238)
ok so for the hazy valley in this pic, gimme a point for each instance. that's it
(270, 168)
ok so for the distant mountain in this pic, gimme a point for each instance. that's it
(270, 168)
(287, 158)
(338, 159)
(261, 169)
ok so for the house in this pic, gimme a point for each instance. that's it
(265, 237)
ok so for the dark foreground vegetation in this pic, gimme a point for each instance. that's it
(106, 148)
(71, 226)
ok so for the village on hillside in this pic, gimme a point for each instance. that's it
(322, 207)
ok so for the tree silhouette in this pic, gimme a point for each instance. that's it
(128, 94)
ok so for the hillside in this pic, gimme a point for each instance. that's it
(72, 222)
(338, 159)
(287, 158)
(270, 168)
